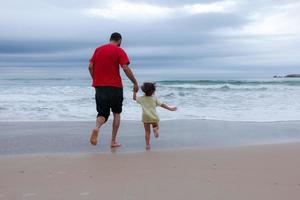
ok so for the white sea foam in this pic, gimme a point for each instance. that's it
(64, 99)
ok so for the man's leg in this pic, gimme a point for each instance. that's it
(99, 122)
(94, 136)
(115, 128)
(102, 106)
(116, 108)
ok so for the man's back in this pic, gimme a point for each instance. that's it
(106, 61)
(104, 70)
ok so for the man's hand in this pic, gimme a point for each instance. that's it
(135, 87)
(134, 96)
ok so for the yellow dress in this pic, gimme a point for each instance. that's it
(149, 104)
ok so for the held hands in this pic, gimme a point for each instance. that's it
(135, 87)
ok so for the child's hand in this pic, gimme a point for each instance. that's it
(173, 108)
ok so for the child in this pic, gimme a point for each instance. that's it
(150, 117)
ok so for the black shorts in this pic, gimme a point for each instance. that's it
(108, 98)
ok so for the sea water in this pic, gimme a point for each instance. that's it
(65, 94)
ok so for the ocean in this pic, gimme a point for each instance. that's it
(65, 94)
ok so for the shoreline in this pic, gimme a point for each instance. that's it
(73, 136)
(161, 120)
(143, 151)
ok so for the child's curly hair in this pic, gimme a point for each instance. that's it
(148, 88)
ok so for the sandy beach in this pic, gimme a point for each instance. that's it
(221, 160)
(253, 172)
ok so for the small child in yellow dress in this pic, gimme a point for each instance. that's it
(149, 103)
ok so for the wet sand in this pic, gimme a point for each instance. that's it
(73, 137)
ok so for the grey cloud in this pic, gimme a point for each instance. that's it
(184, 31)
(53, 32)
(172, 3)
(27, 47)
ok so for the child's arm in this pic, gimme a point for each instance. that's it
(134, 95)
(165, 106)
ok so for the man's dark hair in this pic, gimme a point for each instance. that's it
(148, 88)
(115, 37)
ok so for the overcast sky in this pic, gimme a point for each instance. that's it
(230, 36)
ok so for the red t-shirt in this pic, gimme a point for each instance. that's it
(107, 60)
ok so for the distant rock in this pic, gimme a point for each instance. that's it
(288, 76)
(292, 76)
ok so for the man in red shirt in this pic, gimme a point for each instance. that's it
(104, 69)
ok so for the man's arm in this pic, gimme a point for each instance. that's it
(91, 69)
(130, 75)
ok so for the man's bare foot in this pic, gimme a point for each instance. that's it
(115, 145)
(148, 147)
(94, 137)
(155, 131)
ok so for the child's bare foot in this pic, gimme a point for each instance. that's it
(115, 145)
(94, 137)
(148, 147)
(155, 131)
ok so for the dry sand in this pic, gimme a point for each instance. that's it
(266, 172)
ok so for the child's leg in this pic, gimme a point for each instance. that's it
(147, 135)
(155, 127)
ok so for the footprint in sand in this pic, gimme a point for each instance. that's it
(29, 194)
(49, 176)
(84, 193)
